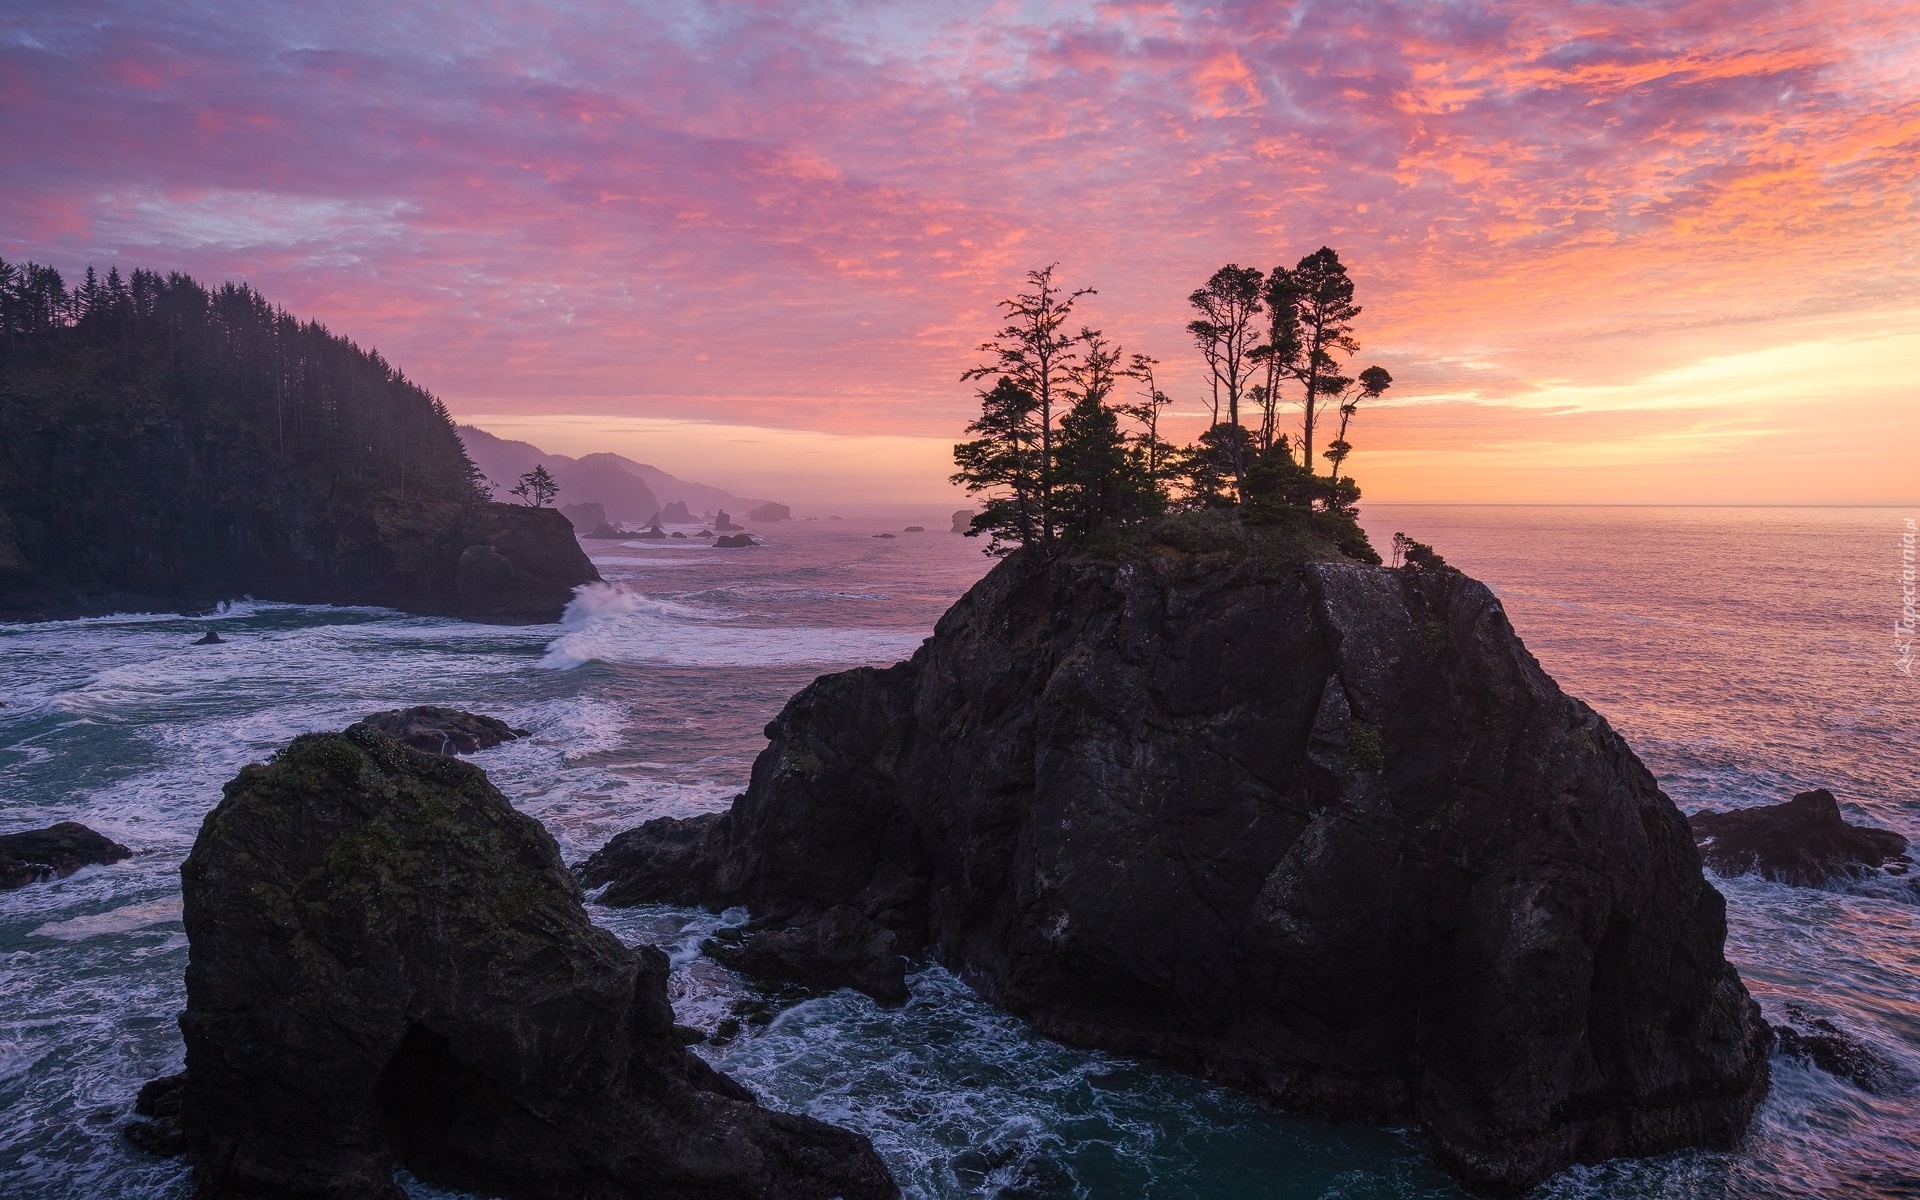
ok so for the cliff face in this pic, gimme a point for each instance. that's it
(1323, 832)
(389, 964)
(172, 446)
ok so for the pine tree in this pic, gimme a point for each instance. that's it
(1004, 463)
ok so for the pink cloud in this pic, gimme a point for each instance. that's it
(783, 214)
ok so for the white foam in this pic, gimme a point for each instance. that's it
(608, 623)
(120, 920)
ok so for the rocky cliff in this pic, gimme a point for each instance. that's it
(1321, 831)
(389, 964)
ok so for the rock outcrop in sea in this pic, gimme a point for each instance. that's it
(53, 852)
(388, 964)
(1320, 831)
(1804, 841)
(445, 731)
(770, 511)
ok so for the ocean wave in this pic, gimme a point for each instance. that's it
(608, 623)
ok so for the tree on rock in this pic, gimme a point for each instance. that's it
(536, 488)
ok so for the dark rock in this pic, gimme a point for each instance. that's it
(914, 529)
(770, 512)
(53, 853)
(1804, 841)
(443, 731)
(680, 535)
(676, 514)
(962, 520)
(734, 541)
(162, 1132)
(589, 520)
(520, 566)
(389, 964)
(652, 531)
(1323, 832)
(722, 523)
(1819, 1042)
(883, 535)
(840, 947)
(209, 638)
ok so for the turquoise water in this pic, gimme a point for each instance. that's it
(1745, 654)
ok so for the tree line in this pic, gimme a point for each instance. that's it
(133, 356)
(1068, 439)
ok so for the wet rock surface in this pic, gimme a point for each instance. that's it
(444, 731)
(54, 852)
(1822, 1044)
(389, 964)
(1323, 832)
(1804, 841)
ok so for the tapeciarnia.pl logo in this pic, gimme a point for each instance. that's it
(1903, 628)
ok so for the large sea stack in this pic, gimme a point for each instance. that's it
(390, 964)
(1322, 831)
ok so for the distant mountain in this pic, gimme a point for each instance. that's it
(630, 491)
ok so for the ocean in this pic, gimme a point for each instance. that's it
(1745, 654)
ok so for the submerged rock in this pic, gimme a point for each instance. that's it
(210, 638)
(1320, 831)
(53, 853)
(389, 964)
(1804, 841)
(444, 731)
(1824, 1045)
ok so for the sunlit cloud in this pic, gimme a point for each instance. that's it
(799, 216)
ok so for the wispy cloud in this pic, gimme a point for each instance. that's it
(800, 214)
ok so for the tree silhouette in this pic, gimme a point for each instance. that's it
(1323, 299)
(1003, 461)
(1034, 350)
(1225, 333)
(536, 488)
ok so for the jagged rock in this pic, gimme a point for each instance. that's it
(53, 853)
(722, 523)
(962, 520)
(1320, 831)
(676, 514)
(520, 566)
(161, 1131)
(734, 541)
(589, 520)
(210, 638)
(1804, 841)
(443, 731)
(770, 512)
(1819, 1042)
(389, 964)
(652, 531)
(837, 948)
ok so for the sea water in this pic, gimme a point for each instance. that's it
(1745, 653)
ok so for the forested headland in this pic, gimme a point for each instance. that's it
(1068, 449)
(167, 443)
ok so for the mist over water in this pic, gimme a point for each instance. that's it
(1744, 653)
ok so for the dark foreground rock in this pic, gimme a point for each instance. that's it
(734, 541)
(210, 638)
(53, 853)
(1323, 832)
(444, 731)
(389, 964)
(1804, 841)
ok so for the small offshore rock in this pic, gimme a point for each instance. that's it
(736, 541)
(962, 520)
(770, 512)
(914, 529)
(54, 853)
(159, 1102)
(1804, 842)
(443, 731)
(210, 638)
(723, 523)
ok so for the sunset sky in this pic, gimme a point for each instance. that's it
(1620, 252)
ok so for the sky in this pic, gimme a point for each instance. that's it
(1618, 252)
